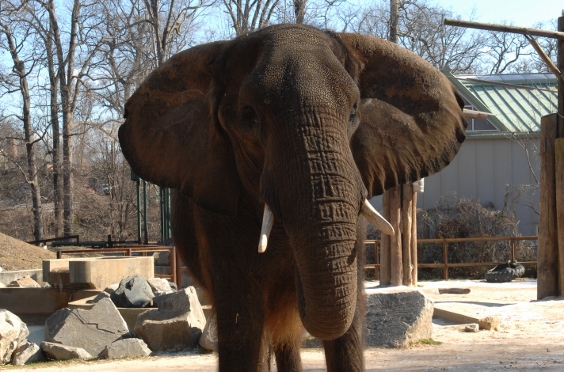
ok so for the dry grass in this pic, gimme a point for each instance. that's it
(18, 255)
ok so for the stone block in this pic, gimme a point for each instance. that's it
(208, 340)
(90, 329)
(129, 347)
(396, 319)
(13, 333)
(25, 282)
(133, 291)
(27, 353)
(57, 351)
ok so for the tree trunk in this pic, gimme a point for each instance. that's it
(31, 173)
(55, 127)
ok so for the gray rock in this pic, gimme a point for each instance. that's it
(162, 258)
(63, 352)
(396, 319)
(180, 301)
(176, 325)
(13, 333)
(27, 353)
(106, 293)
(90, 329)
(160, 286)
(130, 347)
(133, 291)
(208, 340)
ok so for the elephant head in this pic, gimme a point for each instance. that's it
(307, 123)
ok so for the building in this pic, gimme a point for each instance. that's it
(499, 161)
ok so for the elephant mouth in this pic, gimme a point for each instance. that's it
(375, 218)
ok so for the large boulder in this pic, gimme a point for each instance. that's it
(208, 340)
(13, 333)
(160, 286)
(27, 353)
(176, 325)
(90, 329)
(57, 351)
(129, 347)
(397, 319)
(133, 291)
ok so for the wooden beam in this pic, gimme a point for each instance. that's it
(503, 28)
(407, 229)
(551, 66)
(547, 256)
(559, 166)
(560, 51)
(385, 244)
(471, 114)
(396, 265)
(414, 240)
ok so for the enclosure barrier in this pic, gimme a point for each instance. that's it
(129, 251)
(62, 238)
(446, 265)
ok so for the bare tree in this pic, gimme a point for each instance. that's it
(250, 15)
(74, 55)
(16, 32)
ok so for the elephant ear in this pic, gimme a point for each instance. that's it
(169, 137)
(411, 115)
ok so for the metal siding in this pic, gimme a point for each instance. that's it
(485, 187)
(467, 170)
(502, 169)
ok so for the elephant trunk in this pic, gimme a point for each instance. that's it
(319, 201)
(326, 280)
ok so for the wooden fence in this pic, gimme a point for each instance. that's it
(445, 264)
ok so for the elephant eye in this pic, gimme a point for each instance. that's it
(353, 117)
(249, 115)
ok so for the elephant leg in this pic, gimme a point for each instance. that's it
(241, 345)
(288, 358)
(346, 352)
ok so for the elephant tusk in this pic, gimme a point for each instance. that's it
(376, 219)
(267, 222)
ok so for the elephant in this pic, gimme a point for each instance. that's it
(273, 143)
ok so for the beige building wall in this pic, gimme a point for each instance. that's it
(485, 169)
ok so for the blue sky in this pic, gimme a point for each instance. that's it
(523, 13)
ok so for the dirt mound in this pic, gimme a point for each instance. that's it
(18, 255)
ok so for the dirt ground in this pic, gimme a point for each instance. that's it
(530, 337)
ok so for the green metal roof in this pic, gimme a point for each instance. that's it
(518, 101)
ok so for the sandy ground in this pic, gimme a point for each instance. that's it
(530, 337)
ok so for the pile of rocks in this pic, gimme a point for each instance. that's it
(176, 323)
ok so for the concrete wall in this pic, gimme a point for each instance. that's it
(6, 277)
(483, 170)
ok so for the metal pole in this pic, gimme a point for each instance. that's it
(445, 258)
(560, 65)
(145, 229)
(139, 227)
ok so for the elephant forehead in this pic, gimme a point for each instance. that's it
(305, 72)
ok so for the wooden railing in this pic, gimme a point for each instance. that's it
(445, 264)
(43, 241)
(129, 251)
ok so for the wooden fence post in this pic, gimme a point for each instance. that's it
(407, 230)
(547, 257)
(395, 240)
(559, 190)
(414, 262)
(385, 273)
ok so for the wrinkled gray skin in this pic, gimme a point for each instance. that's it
(311, 123)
